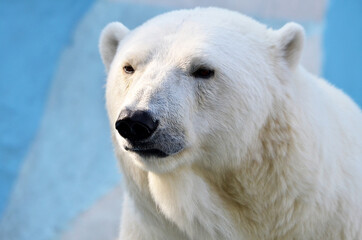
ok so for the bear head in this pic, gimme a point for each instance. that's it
(194, 86)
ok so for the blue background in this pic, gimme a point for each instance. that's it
(56, 157)
(343, 47)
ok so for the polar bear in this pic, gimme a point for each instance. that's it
(221, 134)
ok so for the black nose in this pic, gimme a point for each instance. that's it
(135, 125)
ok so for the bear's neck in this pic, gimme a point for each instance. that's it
(269, 184)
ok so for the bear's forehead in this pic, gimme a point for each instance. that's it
(197, 25)
(191, 34)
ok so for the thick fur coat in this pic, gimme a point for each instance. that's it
(248, 144)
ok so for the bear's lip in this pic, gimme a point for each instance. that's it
(151, 152)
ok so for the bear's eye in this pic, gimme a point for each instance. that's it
(203, 72)
(128, 69)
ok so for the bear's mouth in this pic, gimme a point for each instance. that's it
(152, 152)
(161, 145)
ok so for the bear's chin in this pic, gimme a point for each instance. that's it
(159, 164)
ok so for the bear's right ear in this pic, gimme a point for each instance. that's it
(111, 35)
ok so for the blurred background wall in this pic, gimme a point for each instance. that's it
(58, 175)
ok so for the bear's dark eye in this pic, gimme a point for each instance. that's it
(203, 72)
(128, 69)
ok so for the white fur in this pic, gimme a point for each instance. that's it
(269, 150)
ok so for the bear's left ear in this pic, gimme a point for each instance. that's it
(290, 39)
(111, 35)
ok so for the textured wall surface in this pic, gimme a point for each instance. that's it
(58, 175)
(33, 35)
